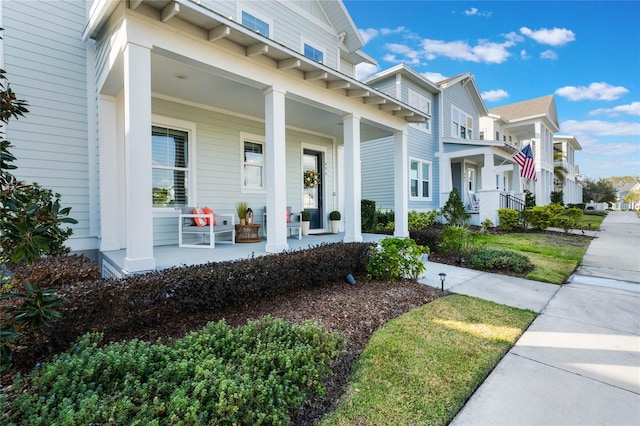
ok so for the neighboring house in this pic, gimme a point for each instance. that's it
(622, 192)
(141, 107)
(565, 147)
(531, 122)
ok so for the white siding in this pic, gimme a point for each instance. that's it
(458, 96)
(45, 60)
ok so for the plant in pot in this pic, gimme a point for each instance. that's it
(306, 221)
(334, 218)
(241, 209)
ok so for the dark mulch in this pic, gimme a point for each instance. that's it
(354, 311)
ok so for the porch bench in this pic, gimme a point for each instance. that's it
(294, 224)
(187, 225)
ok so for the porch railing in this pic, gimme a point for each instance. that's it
(508, 201)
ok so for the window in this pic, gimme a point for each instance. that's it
(313, 53)
(253, 171)
(481, 135)
(423, 104)
(170, 167)
(420, 179)
(497, 135)
(462, 124)
(254, 23)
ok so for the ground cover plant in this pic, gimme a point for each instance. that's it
(422, 367)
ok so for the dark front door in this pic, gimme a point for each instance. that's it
(312, 181)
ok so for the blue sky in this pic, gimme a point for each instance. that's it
(585, 53)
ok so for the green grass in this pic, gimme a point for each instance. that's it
(555, 256)
(423, 366)
(591, 221)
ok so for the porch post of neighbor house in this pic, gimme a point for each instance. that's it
(276, 172)
(446, 180)
(401, 179)
(489, 196)
(516, 182)
(108, 166)
(352, 180)
(137, 141)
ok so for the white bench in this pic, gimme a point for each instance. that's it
(187, 225)
(294, 224)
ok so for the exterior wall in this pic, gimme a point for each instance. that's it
(388, 86)
(458, 96)
(46, 63)
(377, 172)
(218, 165)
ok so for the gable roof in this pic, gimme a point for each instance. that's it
(406, 71)
(544, 106)
(468, 81)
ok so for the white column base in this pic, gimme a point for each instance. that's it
(276, 248)
(139, 265)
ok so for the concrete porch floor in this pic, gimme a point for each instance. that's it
(172, 255)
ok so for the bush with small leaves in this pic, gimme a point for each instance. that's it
(452, 239)
(453, 210)
(422, 220)
(506, 260)
(508, 219)
(396, 259)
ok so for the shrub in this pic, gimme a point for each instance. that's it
(368, 215)
(58, 271)
(452, 239)
(509, 219)
(454, 211)
(557, 197)
(529, 199)
(260, 373)
(396, 259)
(539, 217)
(568, 219)
(506, 260)
(384, 218)
(422, 220)
(428, 237)
(335, 215)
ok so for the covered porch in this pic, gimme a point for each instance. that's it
(113, 261)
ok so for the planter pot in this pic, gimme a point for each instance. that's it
(305, 227)
(335, 226)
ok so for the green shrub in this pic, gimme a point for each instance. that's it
(538, 217)
(335, 215)
(396, 259)
(490, 259)
(368, 215)
(529, 199)
(257, 374)
(509, 219)
(452, 239)
(557, 197)
(422, 220)
(429, 237)
(568, 219)
(453, 210)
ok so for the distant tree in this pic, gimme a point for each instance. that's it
(560, 171)
(633, 197)
(600, 191)
(453, 210)
(557, 197)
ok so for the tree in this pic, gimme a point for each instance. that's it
(600, 191)
(454, 211)
(559, 170)
(633, 197)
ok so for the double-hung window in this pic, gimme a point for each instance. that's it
(311, 52)
(170, 167)
(255, 23)
(253, 166)
(423, 104)
(420, 179)
(461, 124)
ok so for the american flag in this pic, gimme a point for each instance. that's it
(524, 159)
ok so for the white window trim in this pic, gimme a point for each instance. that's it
(190, 128)
(304, 41)
(424, 127)
(453, 132)
(243, 7)
(420, 162)
(250, 137)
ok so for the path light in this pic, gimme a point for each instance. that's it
(442, 277)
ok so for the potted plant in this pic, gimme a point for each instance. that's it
(306, 219)
(334, 218)
(241, 209)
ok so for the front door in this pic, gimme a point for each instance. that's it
(312, 182)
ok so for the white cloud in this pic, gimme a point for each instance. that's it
(630, 109)
(484, 51)
(596, 91)
(523, 54)
(434, 76)
(548, 54)
(475, 12)
(365, 70)
(600, 128)
(412, 56)
(552, 37)
(368, 34)
(397, 30)
(514, 37)
(494, 95)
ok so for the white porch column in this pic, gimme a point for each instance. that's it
(489, 196)
(401, 179)
(352, 180)
(516, 181)
(276, 170)
(137, 140)
(446, 180)
(108, 158)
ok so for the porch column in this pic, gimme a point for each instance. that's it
(401, 176)
(446, 180)
(489, 196)
(108, 159)
(276, 171)
(137, 141)
(352, 180)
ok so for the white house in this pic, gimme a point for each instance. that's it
(140, 107)
(565, 147)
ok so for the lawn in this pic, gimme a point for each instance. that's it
(591, 222)
(555, 255)
(423, 366)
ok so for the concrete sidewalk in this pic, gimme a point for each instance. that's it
(579, 362)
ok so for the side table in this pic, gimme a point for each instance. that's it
(248, 233)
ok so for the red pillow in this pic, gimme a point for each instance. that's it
(200, 221)
(288, 216)
(207, 210)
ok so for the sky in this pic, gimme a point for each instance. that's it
(585, 53)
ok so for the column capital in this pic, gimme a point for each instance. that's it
(275, 89)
